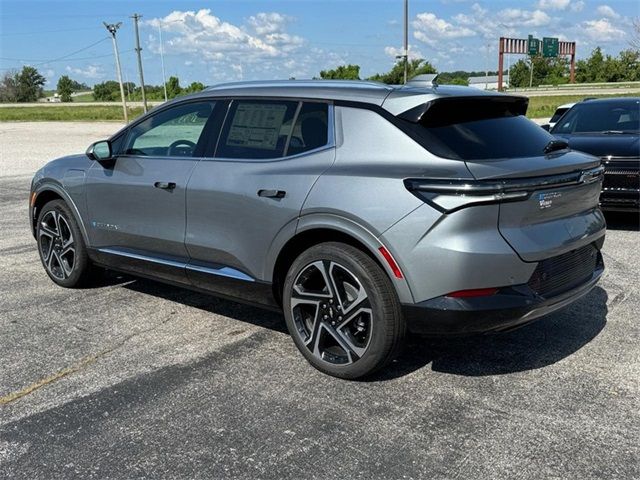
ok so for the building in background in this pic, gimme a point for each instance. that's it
(484, 82)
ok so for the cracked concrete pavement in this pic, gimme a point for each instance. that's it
(136, 379)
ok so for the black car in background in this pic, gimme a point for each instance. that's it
(610, 129)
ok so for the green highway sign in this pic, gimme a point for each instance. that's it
(549, 47)
(533, 45)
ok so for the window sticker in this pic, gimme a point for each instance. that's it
(256, 125)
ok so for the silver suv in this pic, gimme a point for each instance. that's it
(361, 210)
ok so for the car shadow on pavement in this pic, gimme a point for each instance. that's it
(623, 221)
(539, 344)
(216, 305)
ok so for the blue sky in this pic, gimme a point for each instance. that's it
(215, 41)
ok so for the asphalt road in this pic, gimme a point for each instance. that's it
(135, 379)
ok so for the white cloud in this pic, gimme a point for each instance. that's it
(607, 11)
(524, 18)
(202, 33)
(414, 52)
(553, 4)
(260, 48)
(266, 23)
(577, 6)
(602, 30)
(431, 30)
(506, 22)
(92, 71)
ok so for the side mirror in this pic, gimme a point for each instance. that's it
(100, 151)
(546, 127)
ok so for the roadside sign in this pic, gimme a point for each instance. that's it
(549, 47)
(533, 46)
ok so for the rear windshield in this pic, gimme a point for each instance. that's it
(505, 136)
(594, 117)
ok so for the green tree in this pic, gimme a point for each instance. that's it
(342, 72)
(395, 76)
(29, 83)
(79, 87)
(194, 87)
(9, 87)
(456, 81)
(630, 65)
(65, 88)
(546, 71)
(173, 87)
(108, 91)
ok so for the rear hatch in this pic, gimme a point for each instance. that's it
(548, 194)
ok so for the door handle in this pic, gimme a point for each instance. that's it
(272, 193)
(165, 185)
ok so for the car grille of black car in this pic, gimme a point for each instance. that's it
(621, 178)
(556, 275)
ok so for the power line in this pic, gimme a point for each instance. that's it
(73, 53)
(57, 59)
(70, 59)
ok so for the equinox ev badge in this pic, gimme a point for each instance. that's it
(546, 199)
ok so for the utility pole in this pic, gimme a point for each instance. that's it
(164, 79)
(113, 28)
(531, 73)
(136, 17)
(406, 40)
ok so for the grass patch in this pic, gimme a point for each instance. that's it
(66, 113)
(544, 107)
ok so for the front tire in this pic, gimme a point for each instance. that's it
(61, 247)
(342, 311)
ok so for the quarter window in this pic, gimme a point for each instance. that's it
(311, 128)
(257, 129)
(174, 132)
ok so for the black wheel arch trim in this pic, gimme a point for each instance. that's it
(59, 190)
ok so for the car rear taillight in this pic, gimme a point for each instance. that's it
(450, 195)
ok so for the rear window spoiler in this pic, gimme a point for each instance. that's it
(450, 110)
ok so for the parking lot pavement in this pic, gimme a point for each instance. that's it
(136, 379)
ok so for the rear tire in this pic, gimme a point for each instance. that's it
(342, 311)
(61, 246)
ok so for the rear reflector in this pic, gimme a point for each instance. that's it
(477, 292)
(392, 263)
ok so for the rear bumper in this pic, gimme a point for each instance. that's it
(511, 307)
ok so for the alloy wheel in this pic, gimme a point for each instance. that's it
(57, 246)
(332, 312)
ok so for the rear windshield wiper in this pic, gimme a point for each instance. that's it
(554, 145)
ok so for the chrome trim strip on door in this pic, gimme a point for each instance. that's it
(222, 272)
(227, 272)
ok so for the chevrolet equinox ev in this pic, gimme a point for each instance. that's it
(364, 212)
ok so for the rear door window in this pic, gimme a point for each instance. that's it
(257, 129)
